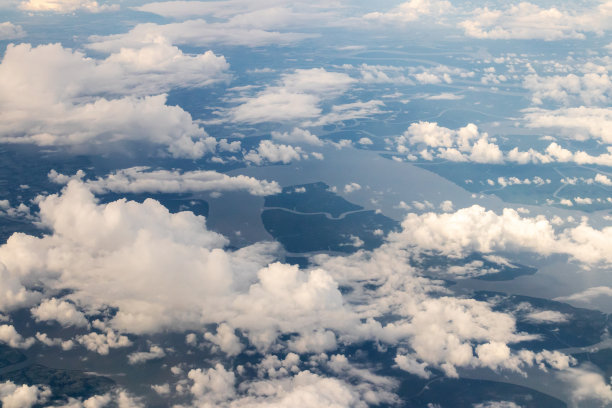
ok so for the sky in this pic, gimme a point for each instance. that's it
(266, 203)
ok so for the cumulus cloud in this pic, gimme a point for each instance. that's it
(297, 135)
(586, 296)
(296, 95)
(216, 386)
(348, 111)
(225, 339)
(587, 386)
(268, 151)
(61, 97)
(9, 336)
(591, 88)
(155, 352)
(63, 312)
(145, 180)
(410, 11)
(574, 123)
(10, 31)
(475, 229)
(462, 145)
(66, 6)
(529, 21)
(101, 343)
(547, 316)
(22, 396)
(198, 32)
(118, 255)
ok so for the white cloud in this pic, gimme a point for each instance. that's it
(9, 336)
(63, 312)
(587, 295)
(226, 339)
(497, 404)
(66, 6)
(574, 123)
(274, 153)
(296, 95)
(54, 342)
(118, 254)
(216, 386)
(349, 188)
(410, 11)
(365, 141)
(592, 88)
(297, 135)
(603, 179)
(143, 179)
(464, 144)
(410, 364)
(161, 389)
(101, 343)
(22, 396)
(445, 96)
(348, 111)
(199, 33)
(12, 292)
(587, 386)
(55, 97)
(155, 352)
(529, 21)
(475, 229)
(547, 316)
(10, 31)
(383, 74)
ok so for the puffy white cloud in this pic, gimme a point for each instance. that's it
(13, 293)
(587, 387)
(297, 135)
(118, 255)
(216, 386)
(226, 339)
(348, 111)
(10, 31)
(60, 97)
(475, 229)
(575, 123)
(547, 316)
(197, 32)
(296, 95)
(383, 74)
(496, 404)
(66, 6)
(213, 386)
(155, 352)
(410, 11)
(65, 313)
(464, 144)
(161, 389)
(9, 335)
(410, 364)
(101, 343)
(53, 342)
(603, 179)
(587, 295)
(22, 396)
(274, 153)
(143, 179)
(349, 188)
(592, 88)
(529, 21)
